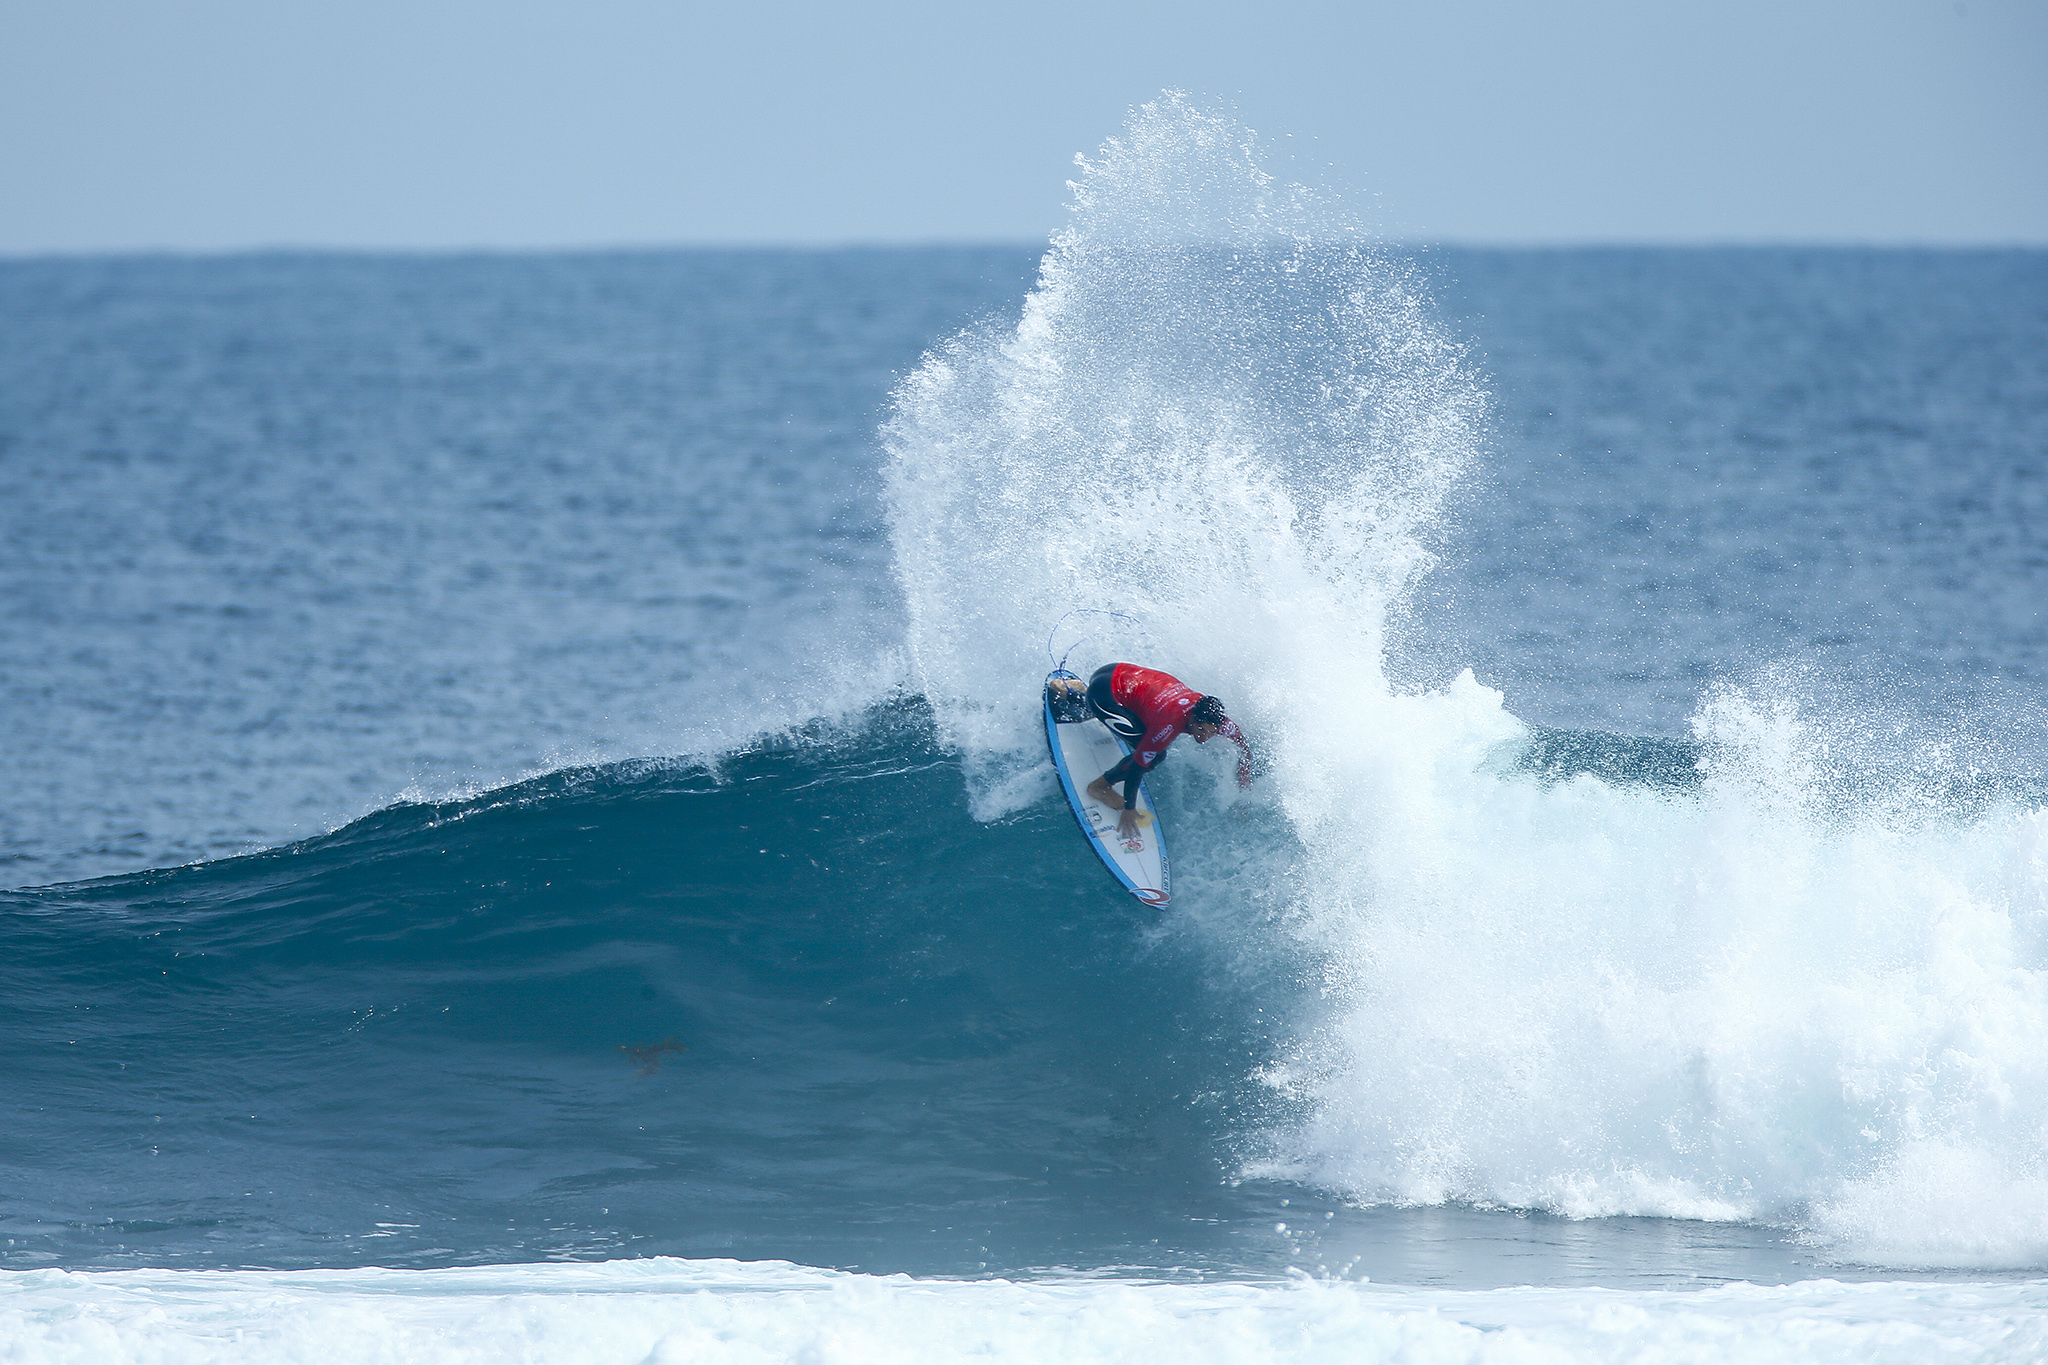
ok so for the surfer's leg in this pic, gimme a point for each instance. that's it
(1119, 718)
(1100, 791)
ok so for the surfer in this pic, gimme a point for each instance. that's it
(1152, 709)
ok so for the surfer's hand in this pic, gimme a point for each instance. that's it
(1127, 822)
(1244, 775)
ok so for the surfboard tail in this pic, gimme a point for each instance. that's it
(1067, 696)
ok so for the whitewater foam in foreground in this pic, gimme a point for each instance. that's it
(1810, 992)
(666, 1312)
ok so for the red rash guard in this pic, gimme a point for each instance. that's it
(1162, 702)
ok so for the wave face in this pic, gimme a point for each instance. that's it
(798, 1005)
(1789, 969)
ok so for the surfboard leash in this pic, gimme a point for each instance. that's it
(1061, 663)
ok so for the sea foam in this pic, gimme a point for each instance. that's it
(663, 1312)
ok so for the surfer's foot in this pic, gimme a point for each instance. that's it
(1100, 791)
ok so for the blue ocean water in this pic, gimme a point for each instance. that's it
(519, 759)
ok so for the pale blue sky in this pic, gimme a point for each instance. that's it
(516, 123)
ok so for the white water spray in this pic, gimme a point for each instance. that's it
(1226, 414)
(1221, 413)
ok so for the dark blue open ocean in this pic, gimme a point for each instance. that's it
(531, 762)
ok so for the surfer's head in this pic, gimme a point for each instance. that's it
(1205, 718)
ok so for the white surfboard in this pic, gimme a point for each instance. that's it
(1083, 749)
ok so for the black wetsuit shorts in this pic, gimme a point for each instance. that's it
(1121, 719)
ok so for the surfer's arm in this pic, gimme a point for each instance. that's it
(1244, 751)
